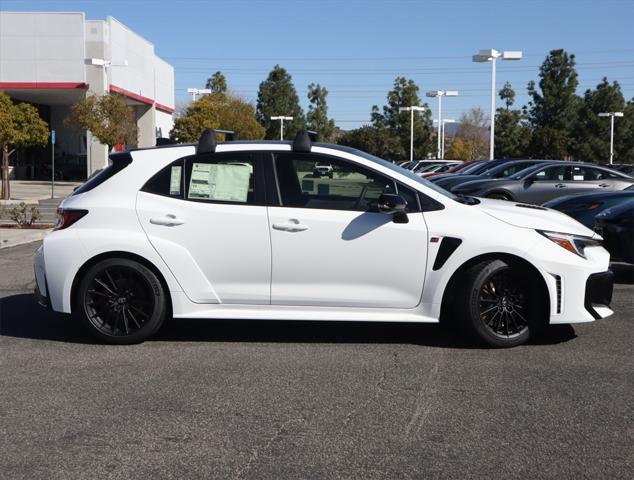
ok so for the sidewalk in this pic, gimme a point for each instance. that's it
(32, 191)
(10, 237)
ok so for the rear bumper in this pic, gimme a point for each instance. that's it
(41, 286)
(598, 294)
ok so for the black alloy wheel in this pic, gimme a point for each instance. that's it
(121, 301)
(502, 305)
(498, 305)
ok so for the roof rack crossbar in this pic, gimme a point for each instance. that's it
(208, 140)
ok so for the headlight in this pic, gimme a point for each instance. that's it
(573, 243)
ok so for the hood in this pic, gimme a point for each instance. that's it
(476, 184)
(532, 216)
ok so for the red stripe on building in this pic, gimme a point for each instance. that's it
(132, 95)
(41, 85)
(164, 108)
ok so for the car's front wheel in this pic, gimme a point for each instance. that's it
(120, 301)
(498, 305)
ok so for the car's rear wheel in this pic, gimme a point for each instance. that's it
(120, 301)
(499, 196)
(498, 304)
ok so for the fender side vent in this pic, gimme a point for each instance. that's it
(448, 245)
(558, 287)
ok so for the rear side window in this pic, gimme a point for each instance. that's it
(119, 162)
(168, 182)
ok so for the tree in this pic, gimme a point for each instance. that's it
(460, 150)
(405, 94)
(373, 140)
(107, 117)
(217, 83)
(552, 111)
(591, 132)
(624, 143)
(317, 116)
(473, 130)
(20, 127)
(512, 132)
(507, 94)
(277, 96)
(218, 111)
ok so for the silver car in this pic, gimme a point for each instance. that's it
(540, 183)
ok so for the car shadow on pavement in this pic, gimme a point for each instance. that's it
(22, 317)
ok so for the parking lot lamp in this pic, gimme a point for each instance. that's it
(611, 115)
(492, 55)
(412, 109)
(198, 91)
(440, 94)
(281, 118)
(442, 148)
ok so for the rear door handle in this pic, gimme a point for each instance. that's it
(292, 226)
(168, 220)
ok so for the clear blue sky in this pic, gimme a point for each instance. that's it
(357, 47)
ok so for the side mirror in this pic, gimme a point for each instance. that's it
(390, 203)
(529, 181)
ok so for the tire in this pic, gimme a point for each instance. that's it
(500, 196)
(120, 301)
(497, 304)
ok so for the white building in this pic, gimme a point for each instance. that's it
(52, 60)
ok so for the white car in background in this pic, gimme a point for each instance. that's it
(228, 230)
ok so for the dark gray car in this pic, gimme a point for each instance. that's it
(501, 170)
(540, 183)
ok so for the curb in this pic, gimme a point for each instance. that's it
(12, 237)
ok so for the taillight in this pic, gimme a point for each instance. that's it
(67, 216)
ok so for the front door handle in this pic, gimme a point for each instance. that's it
(292, 226)
(604, 185)
(560, 185)
(168, 220)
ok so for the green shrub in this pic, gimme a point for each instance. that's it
(24, 215)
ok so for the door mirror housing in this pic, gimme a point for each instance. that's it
(390, 203)
(529, 181)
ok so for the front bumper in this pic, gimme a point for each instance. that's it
(598, 295)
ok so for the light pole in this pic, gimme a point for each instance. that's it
(281, 118)
(105, 64)
(198, 91)
(492, 55)
(412, 109)
(440, 94)
(611, 115)
(442, 148)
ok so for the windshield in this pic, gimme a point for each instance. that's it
(526, 171)
(395, 168)
(473, 169)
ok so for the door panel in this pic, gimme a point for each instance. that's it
(345, 258)
(219, 254)
(550, 182)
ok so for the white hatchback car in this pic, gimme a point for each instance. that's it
(230, 230)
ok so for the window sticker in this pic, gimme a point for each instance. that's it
(578, 177)
(175, 180)
(228, 183)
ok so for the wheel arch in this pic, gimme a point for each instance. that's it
(539, 282)
(119, 254)
(499, 191)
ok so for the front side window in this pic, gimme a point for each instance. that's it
(551, 174)
(348, 187)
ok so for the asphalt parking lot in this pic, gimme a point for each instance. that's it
(309, 400)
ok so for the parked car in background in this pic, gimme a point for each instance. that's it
(585, 207)
(457, 168)
(232, 230)
(437, 169)
(502, 170)
(616, 226)
(474, 169)
(323, 170)
(539, 184)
